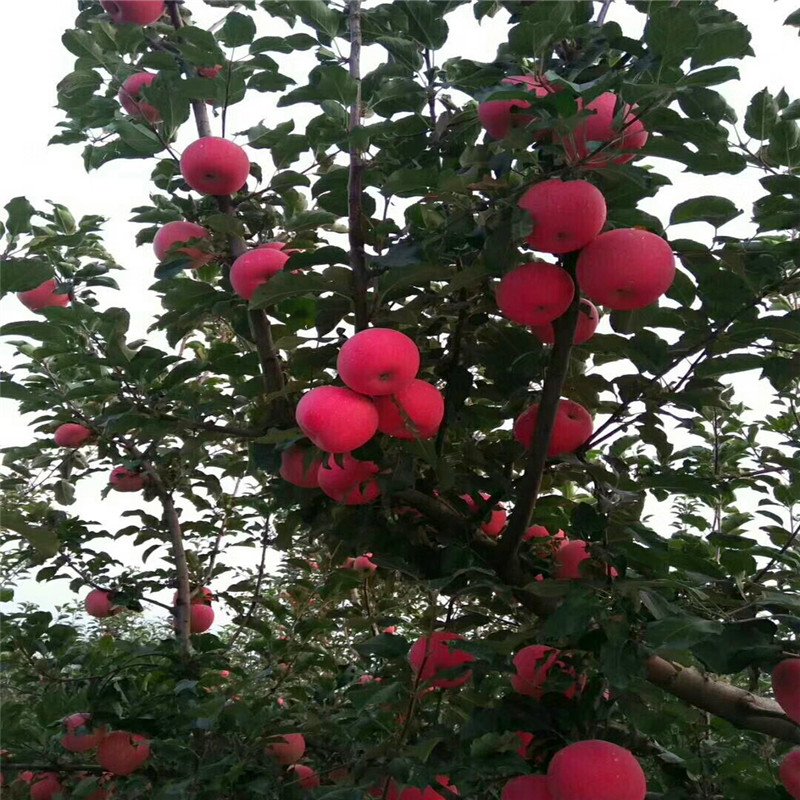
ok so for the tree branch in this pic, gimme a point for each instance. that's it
(355, 183)
(183, 610)
(530, 483)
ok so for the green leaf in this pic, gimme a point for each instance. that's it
(19, 212)
(425, 24)
(761, 116)
(680, 633)
(239, 29)
(718, 41)
(327, 82)
(714, 210)
(385, 645)
(793, 19)
(285, 284)
(671, 33)
(139, 137)
(321, 17)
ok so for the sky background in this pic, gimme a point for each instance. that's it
(31, 168)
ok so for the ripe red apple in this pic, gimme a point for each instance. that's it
(98, 604)
(423, 405)
(299, 466)
(525, 739)
(122, 753)
(202, 595)
(378, 361)
(497, 116)
(588, 319)
(178, 233)
(527, 787)
(123, 479)
(566, 215)
(307, 777)
(625, 269)
(568, 559)
(337, 419)
(79, 736)
(540, 532)
(138, 12)
(42, 296)
(71, 434)
(595, 769)
(599, 129)
(571, 428)
(45, 785)
(429, 793)
(533, 663)
(535, 293)
(430, 655)
(360, 563)
(209, 72)
(352, 484)
(212, 165)
(288, 748)
(786, 687)
(496, 522)
(254, 268)
(789, 772)
(130, 97)
(201, 619)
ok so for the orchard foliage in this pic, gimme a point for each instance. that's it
(396, 210)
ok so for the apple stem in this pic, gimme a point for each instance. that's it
(358, 261)
(530, 483)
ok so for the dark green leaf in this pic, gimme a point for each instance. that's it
(238, 30)
(714, 210)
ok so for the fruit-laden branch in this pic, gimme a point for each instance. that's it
(530, 483)
(260, 327)
(737, 706)
(355, 182)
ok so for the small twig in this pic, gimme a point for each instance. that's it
(789, 542)
(256, 590)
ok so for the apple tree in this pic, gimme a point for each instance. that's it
(520, 554)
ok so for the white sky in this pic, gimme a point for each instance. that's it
(56, 173)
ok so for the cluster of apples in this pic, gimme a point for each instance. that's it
(287, 750)
(786, 688)
(381, 394)
(99, 603)
(594, 143)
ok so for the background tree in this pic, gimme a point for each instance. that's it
(393, 209)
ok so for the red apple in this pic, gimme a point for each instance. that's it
(588, 319)
(254, 268)
(299, 466)
(45, 785)
(789, 772)
(497, 116)
(306, 776)
(360, 563)
(525, 739)
(42, 296)
(423, 405)
(600, 129)
(80, 737)
(178, 233)
(571, 428)
(540, 532)
(566, 215)
(130, 97)
(378, 361)
(786, 687)
(122, 753)
(527, 787)
(202, 617)
(533, 663)
(212, 165)
(353, 483)
(98, 604)
(202, 595)
(337, 419)
(568, 559)
(429, 793)
(430, 655)
(535, 293)
(138, 12)
(625, 269)
(496, 522)
(288, 748)
(209, 72)
(123, 479)
(71, 434)
(595, 769)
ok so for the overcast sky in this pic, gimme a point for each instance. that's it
(33, 61)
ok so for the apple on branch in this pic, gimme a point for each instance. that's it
(378, 361)
(353, 483)
(571, 428)
(130, 97)
(430, 655)
(71, 434)
(256, 267)
(137, 12)
(122, 752)
(337, 419)
(43, 296)
(498, 117)
(535, 293)
(170, 237)
(215, 166)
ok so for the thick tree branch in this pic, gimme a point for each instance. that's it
(355, 183)
(737, 706)
(530, 483)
